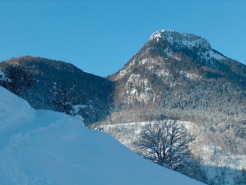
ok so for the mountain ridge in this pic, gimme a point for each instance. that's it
(182, 65)
(176, 44)
(52, 77)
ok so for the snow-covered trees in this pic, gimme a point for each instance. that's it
(3, 78)
(15, 78)
(63, 98)
(167, 144)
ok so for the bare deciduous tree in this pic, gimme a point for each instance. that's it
(167, 144)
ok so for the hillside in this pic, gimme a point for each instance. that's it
(61, 82)
(180, 77)
(46, 147)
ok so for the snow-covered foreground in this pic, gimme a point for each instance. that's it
(45, 147)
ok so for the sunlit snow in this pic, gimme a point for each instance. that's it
(45, 147)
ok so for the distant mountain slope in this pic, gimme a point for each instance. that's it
(46, 147)
(181, 77)
(91, 92)
(178, 73)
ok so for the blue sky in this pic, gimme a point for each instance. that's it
(99, 37)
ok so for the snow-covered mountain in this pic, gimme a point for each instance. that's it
(46, 147)
(181, 77)
(187, 41)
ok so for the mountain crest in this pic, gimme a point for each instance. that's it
(180, 40)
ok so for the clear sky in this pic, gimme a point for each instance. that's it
(99, 37)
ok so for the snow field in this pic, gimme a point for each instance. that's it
(45, 147)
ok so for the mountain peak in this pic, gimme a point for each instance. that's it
(183, 40)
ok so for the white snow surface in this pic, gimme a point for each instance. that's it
(184, 40)
(45, 147)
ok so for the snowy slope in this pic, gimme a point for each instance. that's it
(45, 147)
(219, 166)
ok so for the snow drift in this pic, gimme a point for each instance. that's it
(46, 147)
